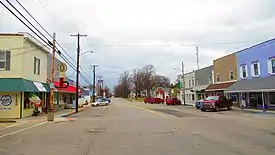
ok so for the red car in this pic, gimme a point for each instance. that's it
(153, 100)
(216, 103)
(173, 101)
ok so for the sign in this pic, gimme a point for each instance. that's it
(5, 101)
(40, 87)
(61, 67)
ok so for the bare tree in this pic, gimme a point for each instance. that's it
(161, 81)
(136, 79)
(125, 83)
(149, 72)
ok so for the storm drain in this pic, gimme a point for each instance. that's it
(174, 112)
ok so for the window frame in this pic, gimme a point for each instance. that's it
(218, 77)
(242, 71)
(231, 71)
(253, 69)
(5, 60)
(271, 67)
(37, 66)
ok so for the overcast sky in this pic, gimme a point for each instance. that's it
(127, 34)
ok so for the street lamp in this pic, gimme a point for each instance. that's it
(87, 52)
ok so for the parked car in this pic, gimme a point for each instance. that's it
(108, 99)
(216, 103)
(198, 104)
(173, 101)
(149, 100)
(158, 100)
(100, 102)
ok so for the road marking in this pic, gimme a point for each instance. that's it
(21, 130)
(151, 111)
(13, 125)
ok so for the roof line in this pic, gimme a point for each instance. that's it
(261, 43)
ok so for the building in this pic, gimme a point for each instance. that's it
(224, 74)
(256, 67)
(204, 77)
(63, 97)
(23, 74)
(189, 83)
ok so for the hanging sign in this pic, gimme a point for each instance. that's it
(62, 68)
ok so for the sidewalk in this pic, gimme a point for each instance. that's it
(59, 113)
(254, 111)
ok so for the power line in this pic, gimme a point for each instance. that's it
(44, 30)
(47, 42)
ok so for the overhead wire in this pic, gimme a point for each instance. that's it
(24, 8)
(46, 42)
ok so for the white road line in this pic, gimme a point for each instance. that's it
(12, 125)
(12, 133)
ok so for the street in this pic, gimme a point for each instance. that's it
(128, 128)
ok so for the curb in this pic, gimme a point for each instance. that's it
(71, 113)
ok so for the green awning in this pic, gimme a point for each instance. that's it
(19, 85)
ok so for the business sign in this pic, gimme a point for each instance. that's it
(62, 68)
(5, 102)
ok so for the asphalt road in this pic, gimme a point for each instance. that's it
(132, 128)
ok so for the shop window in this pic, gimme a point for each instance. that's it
(27, 103)
(193, 97)
(272, 98)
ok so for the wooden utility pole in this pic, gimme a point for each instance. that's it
(94, 66)
(50, 115)
(77, 68)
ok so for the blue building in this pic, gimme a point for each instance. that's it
(256, 76)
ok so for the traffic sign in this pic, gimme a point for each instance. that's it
(61, 67)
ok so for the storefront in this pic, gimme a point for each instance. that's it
(217, 89)
(255, 93)
(65, 96)
(16, 97)
(200, 92)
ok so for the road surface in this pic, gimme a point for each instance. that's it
(133, 128)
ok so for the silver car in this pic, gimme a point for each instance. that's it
(100, 102)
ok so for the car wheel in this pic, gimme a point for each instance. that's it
(229, 108)
(97, 105)
(203, 110)
(217, 109)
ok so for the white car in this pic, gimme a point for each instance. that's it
(100, 102)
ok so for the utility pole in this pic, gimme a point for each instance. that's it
(50, 115)
(183, 83)
(198, 62)
(94, 66)
(77, 68)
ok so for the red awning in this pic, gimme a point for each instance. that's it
(69, 89)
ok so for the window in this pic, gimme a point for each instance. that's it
(193, 97)
(209, 98)
(36, 66)
(189, 83)
(218, 77)
(193, 82)
(255, 69)
(243, 71)
(271, 66)
(231, 75)
(4, 60)
(209, 79)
